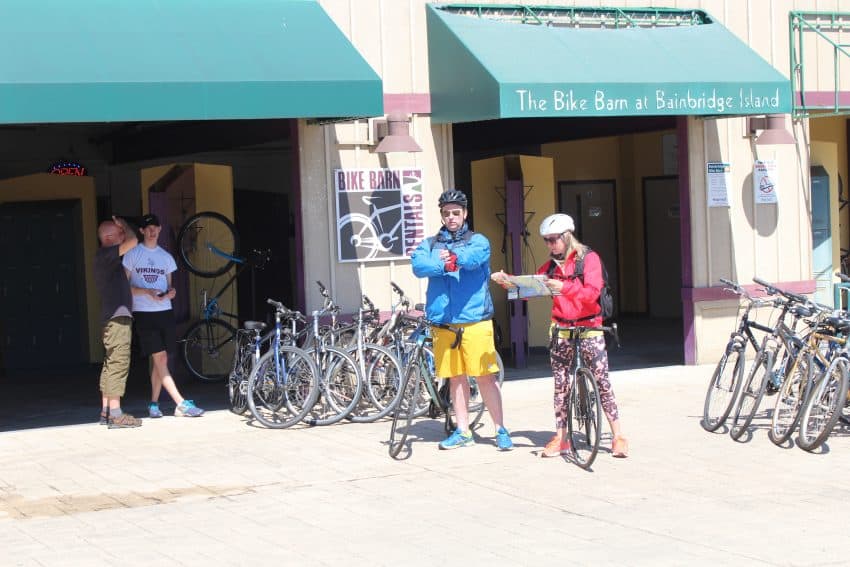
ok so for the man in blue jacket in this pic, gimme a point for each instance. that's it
(457, 264)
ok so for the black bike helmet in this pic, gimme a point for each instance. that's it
(452, 196)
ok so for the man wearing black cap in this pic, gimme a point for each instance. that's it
(149, 270)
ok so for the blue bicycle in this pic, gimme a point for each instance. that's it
(208, 246)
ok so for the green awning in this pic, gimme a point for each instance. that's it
(146, 60)
(483, 68)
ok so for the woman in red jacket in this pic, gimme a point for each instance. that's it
(576, 305)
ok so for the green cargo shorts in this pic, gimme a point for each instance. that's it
(117, 334)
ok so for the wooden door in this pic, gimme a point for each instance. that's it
(663, 246)
(592, 204)
(41, 284)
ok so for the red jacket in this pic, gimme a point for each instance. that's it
(577, 299)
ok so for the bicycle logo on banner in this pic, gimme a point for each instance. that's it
(379, 213)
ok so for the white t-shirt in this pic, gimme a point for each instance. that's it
(149, 269)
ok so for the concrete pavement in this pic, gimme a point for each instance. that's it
(220, 491)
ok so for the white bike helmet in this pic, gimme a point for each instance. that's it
(558, 223)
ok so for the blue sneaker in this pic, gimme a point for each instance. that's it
(188, 409)
(457, 439)
(153, 410)
(503, 440)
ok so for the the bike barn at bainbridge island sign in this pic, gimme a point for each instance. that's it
(380, 214)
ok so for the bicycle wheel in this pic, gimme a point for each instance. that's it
(428, 371)
(823, 408)
(208, 349)
(237, 386)
(206, 244)
(237, 380)
(584, 415)
(789, 400)
(752, 391)
(403, 417)
(381, 378)
(723, 389)
(281, 392)
(357, 231)
(340, 386)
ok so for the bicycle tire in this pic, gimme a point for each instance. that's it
(237, 380)
(402, 419)
(208, 348)
(723, 389)
(278, 402)
(423, 401)
(340, 387)
(198, 233)
(380, 383)
(823, 408)
(237, 391)
(752, 391)
(584, 419)
(790, 398)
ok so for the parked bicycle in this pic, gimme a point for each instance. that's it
(284, 382)
(776, 355)
(729, 373)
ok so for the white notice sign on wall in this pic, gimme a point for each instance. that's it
(717, 183)
(764, 181)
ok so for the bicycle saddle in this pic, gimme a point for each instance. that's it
(254, 325)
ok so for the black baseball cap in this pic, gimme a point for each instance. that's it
(149, 220)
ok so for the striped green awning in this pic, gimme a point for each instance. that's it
(484, 67)
(146, 60)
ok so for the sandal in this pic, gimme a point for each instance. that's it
(556, 447)
(620, 447)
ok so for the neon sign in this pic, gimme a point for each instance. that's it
(67, 168)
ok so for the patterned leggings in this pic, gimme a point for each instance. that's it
(595, 357)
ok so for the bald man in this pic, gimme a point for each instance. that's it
(116, 304)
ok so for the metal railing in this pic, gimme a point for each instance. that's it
(827, 27)
(580, 17)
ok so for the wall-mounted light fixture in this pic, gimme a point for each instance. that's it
(772, 128)
(398, 138)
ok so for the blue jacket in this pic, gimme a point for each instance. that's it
(455, 297)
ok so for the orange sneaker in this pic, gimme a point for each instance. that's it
(556, 447)
(620, 447)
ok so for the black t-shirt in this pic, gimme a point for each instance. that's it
(111, 282)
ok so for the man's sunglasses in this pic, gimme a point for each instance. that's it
(551, 239)
(452, 213)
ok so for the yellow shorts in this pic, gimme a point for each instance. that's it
(475, 356)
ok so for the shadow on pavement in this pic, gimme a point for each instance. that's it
(71, 395)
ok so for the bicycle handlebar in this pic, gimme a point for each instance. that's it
(323, 290)
(611, 330)
(773, 290)
(286, 312)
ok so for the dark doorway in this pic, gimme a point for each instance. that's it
(663, 246)
(273, 232)
(42, 284)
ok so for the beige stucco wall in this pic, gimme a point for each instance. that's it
(772, 241)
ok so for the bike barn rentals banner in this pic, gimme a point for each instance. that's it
(380, 214)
